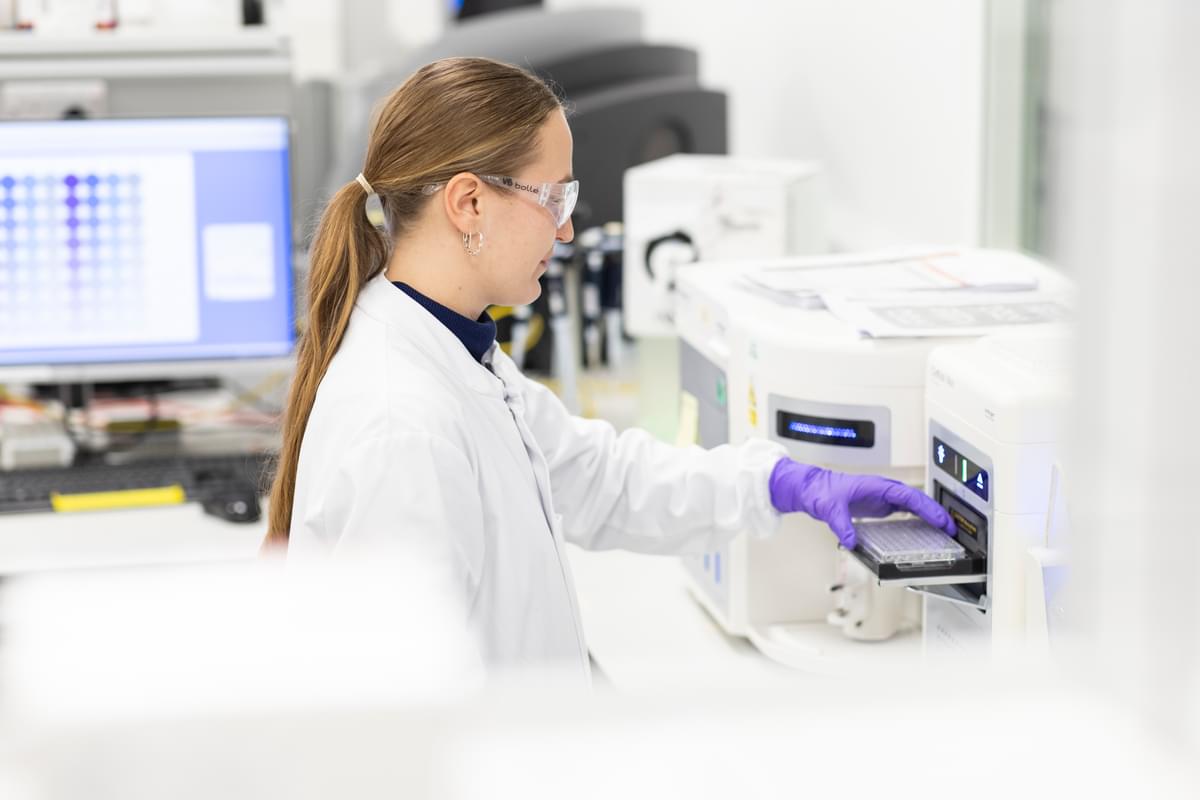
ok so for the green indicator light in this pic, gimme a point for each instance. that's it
(964, 463)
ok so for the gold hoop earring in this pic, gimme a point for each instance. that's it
(477, 249)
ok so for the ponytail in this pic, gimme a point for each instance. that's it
(454, 115)
(346, 252)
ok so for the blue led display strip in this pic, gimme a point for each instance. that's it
(825, 431)
(822, 430)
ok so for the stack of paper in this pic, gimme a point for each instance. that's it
(944, 314)
(934, 271)
(949, 292)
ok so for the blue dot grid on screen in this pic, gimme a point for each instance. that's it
(144, 240)
(70, 242)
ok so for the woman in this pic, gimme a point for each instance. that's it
(406, 425)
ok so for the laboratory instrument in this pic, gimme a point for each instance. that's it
(995, 411)
(755, 364)
(687, 208)
(146, 482)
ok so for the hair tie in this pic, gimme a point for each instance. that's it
(363, 183)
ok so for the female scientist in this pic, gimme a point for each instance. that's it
(406, 425)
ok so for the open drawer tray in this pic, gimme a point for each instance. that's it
(968, 569)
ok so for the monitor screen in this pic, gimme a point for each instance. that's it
(144, 240)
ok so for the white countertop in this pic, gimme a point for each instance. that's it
(163, 535)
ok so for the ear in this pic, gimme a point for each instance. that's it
(462, 200)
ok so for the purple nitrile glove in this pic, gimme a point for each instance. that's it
(835, 497)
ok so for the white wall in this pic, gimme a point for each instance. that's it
(889, 95)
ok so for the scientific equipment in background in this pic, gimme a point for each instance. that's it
(218, 482)
(687, 208)
(591, 264)
(216, 70)
(600, 296)
(757, 365)
(995, 413)
(589, 295)
(565, 359)
(465, 9)
(30, 438)
(522, 318)
(611, 300)
(152, 446)
(81, 17)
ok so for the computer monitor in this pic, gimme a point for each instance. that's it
(136, 248)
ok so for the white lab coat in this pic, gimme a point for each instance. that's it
(412, 441)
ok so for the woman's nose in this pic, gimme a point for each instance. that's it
(566, 233)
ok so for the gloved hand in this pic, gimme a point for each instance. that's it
(835, 497)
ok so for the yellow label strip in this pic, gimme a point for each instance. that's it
(126, 498)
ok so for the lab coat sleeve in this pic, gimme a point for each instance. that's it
(633, 492)
(409, 496)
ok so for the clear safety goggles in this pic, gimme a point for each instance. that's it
(557, 198)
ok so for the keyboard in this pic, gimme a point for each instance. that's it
(184, 478)
(909, 541)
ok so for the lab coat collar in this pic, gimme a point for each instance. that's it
(407, 321)
(477, 335)
(506, 370)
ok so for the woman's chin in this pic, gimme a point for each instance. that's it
(534, 292)
(523, 295)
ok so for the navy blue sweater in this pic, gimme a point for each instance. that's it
(476, 335)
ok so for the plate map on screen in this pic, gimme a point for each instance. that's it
(127, 241)
(71, 254)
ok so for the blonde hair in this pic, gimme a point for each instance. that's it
(451, 116)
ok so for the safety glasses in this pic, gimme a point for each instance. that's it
(557, 198)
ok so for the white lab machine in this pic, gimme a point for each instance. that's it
(753, 366)
(686, 208)
(995, 414)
